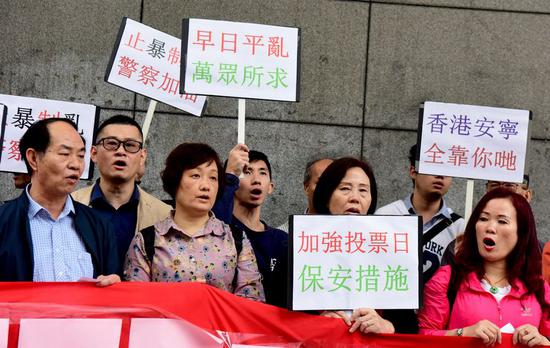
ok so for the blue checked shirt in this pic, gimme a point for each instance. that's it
(59, 252)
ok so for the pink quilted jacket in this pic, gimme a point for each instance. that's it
(473, 304)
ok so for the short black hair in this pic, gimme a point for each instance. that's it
(37, 137)
(118, 119)
(188, 156)
(412, 156)
(331, 178)
(254, 156)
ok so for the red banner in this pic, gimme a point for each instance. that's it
(201, 305)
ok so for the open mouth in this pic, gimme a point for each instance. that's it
(352, 211)
(256, 191)
(73, 178)
(120, 163)
(204, 197)
(488, 243)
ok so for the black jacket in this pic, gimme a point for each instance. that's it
(16, 253)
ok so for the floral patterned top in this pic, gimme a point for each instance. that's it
(209, 256)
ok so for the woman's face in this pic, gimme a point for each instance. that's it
(352, 195)
(497, 230)
(198, 189)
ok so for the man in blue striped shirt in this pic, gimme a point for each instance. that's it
(44, 235)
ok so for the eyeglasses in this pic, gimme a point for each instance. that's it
(491, 185)
(112, 144)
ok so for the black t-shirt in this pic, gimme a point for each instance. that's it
(271, 249)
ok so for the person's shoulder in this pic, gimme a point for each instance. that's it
(83, 195)
(152, 200)
(86, 213)
(8, 209)
(284, 227)
(396, 207)
(441, 278)
(13, 204)
(277, 235)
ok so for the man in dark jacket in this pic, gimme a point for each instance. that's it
(270, 244)
(44, 234)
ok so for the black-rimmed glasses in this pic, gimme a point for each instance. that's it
(112, 144)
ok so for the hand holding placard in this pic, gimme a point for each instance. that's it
(237, 160)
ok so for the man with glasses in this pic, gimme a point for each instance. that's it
(522, 189)
(119, 156)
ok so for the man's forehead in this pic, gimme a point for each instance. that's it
(493, 182)
(320, 166)
(63, 134)
(258, 164)
(120, 130)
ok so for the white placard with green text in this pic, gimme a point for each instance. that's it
(241, 60)
(347, 262)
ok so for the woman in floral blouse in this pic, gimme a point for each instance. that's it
(192, 244)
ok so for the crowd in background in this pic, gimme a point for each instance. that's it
(480, 275)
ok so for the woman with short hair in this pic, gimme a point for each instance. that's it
(192, 244)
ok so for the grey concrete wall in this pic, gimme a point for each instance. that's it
(366, 66)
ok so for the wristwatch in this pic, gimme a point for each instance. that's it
(460, 331)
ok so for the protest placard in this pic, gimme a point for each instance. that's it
(147, 61)
(476, 142)
(241, 60)
(21, 112)
(346, 262)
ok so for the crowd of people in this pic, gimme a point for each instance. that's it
(480, 275)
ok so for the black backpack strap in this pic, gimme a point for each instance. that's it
(440, 226)
(238, 238)
(148, 234)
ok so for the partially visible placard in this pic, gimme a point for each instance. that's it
(167, 333)
(21, 112)
(347, 262)
(69, 333)
(476, 142)
(4, 327)
(241, 60)
(147, 61)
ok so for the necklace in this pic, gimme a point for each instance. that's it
(493, 289)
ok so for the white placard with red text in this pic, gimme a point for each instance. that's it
(241, 60)
(475, 142)
(147, 61)
(24, 111)
(347, 262)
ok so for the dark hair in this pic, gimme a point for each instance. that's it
(309, 165)
(254, 156)
(118, 119)
(331, 178)
(37, 137)
(188, 156)
(523, 262)
(412, 156)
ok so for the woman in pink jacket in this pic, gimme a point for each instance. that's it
(496, 281)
